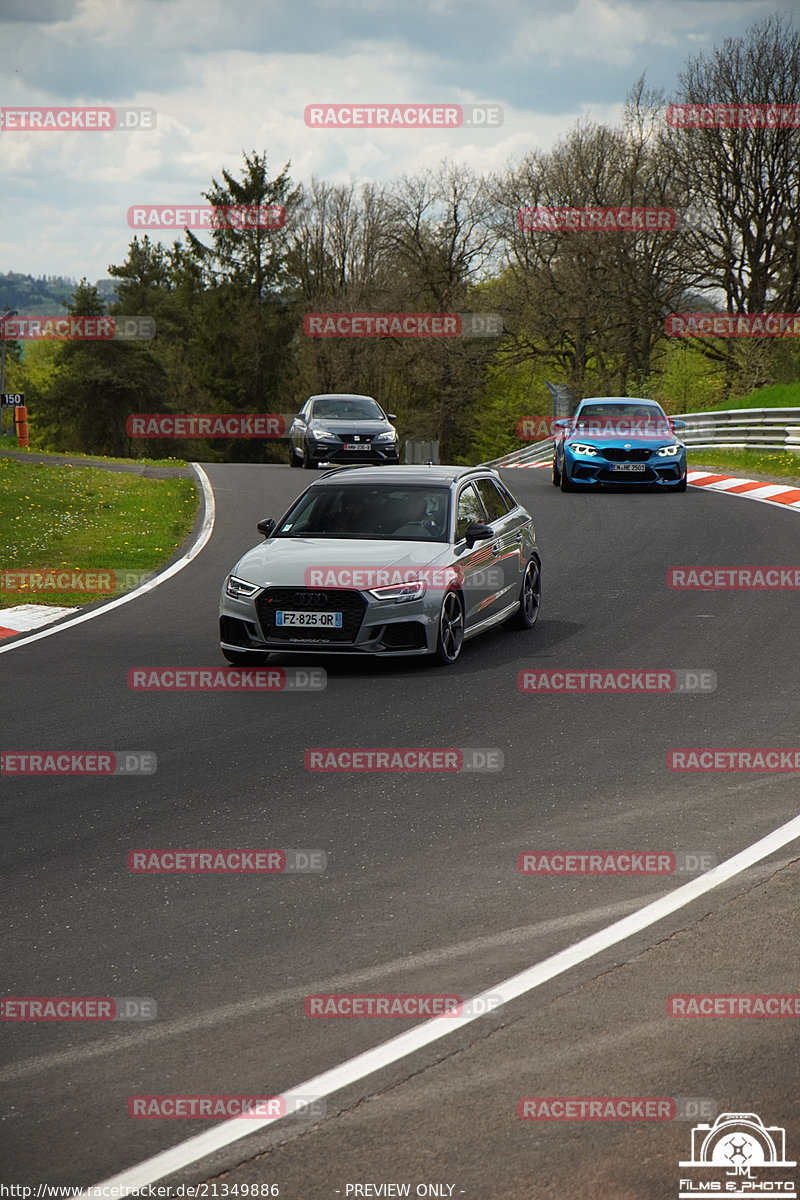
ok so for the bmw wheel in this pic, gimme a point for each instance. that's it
(556, 473)
(450, 637)
(530, 598)
(566, 483)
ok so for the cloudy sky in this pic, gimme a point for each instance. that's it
(225, 76)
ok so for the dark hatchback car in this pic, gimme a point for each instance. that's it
(338, 428)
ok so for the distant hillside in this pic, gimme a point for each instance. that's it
(42, 296)
(34, 297)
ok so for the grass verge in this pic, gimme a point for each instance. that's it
(777, 463)
(69, 519)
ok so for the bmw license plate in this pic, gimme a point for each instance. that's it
(628, 466)
(357, 446)
(317, 620)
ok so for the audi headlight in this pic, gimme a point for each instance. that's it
(668, 451)
(413, 589)
(391, 436)
(240, 589)
(582, 448)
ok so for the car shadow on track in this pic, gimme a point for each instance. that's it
(496, 647)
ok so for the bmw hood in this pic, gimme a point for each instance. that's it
(314, 562)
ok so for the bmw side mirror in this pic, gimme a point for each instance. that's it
(561, 424)
(678, 424)
(391, 416)
(266, 526)
(478, 532)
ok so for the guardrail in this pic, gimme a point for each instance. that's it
(736, 428)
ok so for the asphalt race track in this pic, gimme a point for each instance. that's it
(421, 891)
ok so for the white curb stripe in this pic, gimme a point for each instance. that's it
(397, 1048)
(202, 539)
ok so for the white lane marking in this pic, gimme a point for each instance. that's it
(355, 1069)
(202, 539)
(23, 617)
(209, 1020)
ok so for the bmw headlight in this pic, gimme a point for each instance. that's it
(391, 436)
(668, 451)
(413, 589)
(240, 589)
(582, 448)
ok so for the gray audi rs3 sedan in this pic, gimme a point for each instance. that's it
(390, 561)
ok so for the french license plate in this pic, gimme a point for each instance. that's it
(628, 466)
(357, 446)
(317, 620)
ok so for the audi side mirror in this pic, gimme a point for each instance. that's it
(478, 532)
